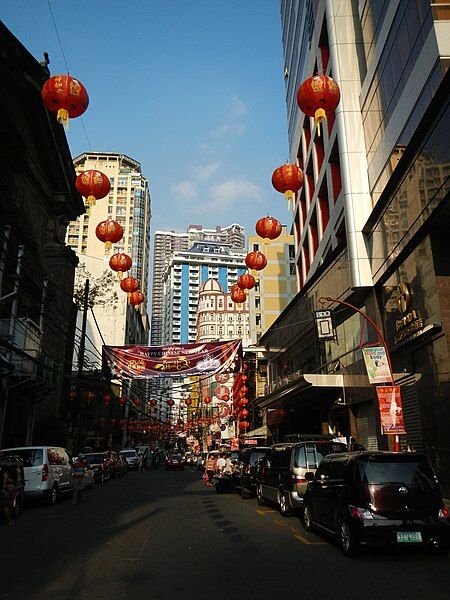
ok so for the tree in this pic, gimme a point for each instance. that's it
(101, 289)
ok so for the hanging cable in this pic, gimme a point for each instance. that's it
(57, 35)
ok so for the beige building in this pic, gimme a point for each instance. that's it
(276, 284)
(129, 204)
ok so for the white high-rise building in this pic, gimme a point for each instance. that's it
(128, 203)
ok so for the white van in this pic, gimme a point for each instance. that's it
(47, 469)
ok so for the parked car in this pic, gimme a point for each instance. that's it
(174, 462)
(377, 498)
(47, 469)
(282, 473)
(101, 465)
(13, 465)
(131, 456)
(245, 471)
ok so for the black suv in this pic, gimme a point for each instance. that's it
(377, 498)
(282, 475)
(244, 475)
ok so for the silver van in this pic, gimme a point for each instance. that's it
(282, 476)
(47, 469)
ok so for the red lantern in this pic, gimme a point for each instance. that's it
(170, 402)
(243, 390)
(243, 401)
(287, 180)
(268, 228)
(93, 185)
(72, 394)
(120, 262)
(246, 282)
(244, 378)
(225, 397)
(109, 232)
(66, 96)
(106, 399)
(90, 396)
(188, 401)
(317, 96)
(220, 391)
(222, 377)
(129, 285)
(238, 296)
(244, 425)
(243, 413)
(207, 400)
(136, 402)
(153, 402)
(245, 366)
(255, 261)
(102, 421)
(112, 422)
(136, 298)
(122, 422)
(121, 400)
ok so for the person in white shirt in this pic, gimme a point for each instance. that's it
(220, 464)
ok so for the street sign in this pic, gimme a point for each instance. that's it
(377, 365)
(324, 324)
(391, 411)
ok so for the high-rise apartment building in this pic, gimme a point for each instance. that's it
(370, 223)
(276, 284)
(184, 276)
(128, 203)
(165, 243)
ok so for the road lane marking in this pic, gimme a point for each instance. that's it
(298, 536)
(263, 512)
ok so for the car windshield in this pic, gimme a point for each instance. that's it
(413, 473)
(128, 453)
(174, 457)
(32, 457)
(256, 455)
(94, 458)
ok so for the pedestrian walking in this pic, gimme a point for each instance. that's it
(4, 490)
(78, 472)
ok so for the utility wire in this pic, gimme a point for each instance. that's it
(57, 35)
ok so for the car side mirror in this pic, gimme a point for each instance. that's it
(309, 476)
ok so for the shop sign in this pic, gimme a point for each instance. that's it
(324, 324)
(277, 415)
(251, 442)
(391, 411)
(410, 322)
(377, 365)
(234, 443)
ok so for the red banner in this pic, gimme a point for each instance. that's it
(391, 411)
(175, 360)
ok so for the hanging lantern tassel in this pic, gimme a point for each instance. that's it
(319, 116)
(90, 201)
(290, 199)
(63, 117)
(108, 246)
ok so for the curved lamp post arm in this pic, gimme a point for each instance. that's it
(324, 299)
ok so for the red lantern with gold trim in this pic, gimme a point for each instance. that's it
(153, 402)
(120, 263)
(238, 296)
(268, 228)
(136, 298)
(93, 185)
(207, 400)
(137, 402)
(112, 422)
(318, 96)
(243, 413)
(110, 232)
(106, 399)
(170, 402)
(244, 425)
(102, 421)
(90, 396)
(256, 261)
(66, 96)
(188, 401)
(287, 180)
(72, 394)
(246, 282)
(129, 285)
(121, 400)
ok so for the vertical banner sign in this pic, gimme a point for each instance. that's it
(377, 365)
(391, 411)
(324, 324)
(234, 443)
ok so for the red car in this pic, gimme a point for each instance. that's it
(174, 461)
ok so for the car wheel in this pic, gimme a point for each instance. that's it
(245, 493)
(52, 496)
(307, 518)
(348, 543)
(285, 509)
(259, 496)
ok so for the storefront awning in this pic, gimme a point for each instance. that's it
(311, 386)
(260, 432)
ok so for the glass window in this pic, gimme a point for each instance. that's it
(32, 457)
(300, 457)
(412, 472)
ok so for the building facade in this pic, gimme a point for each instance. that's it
(369, 224)
(184, 276)
(276, 284)
(128, 203)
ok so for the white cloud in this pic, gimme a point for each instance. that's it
(228, 129)
(205, 171)
(224, 196)
(185, 190)
(239, 107)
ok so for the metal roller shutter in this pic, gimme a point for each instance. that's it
(366, 427)
(411, 412)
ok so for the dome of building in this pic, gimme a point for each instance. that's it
(211, 285)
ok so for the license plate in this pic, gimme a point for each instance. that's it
(409, 536)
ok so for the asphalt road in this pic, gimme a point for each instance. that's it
(164, 535)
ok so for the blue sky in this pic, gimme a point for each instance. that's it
(192, 89)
